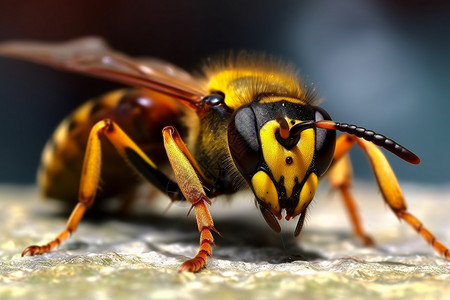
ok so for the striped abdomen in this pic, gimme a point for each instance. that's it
(140, 113)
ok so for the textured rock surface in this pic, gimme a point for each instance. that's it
(138, 256)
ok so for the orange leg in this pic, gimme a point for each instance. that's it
(341, 180)
(387, 182)
(91, 174)
(189, 178)
(393, 195)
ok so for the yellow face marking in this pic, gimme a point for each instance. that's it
(307, 193)
(291, 163)
(265, 191)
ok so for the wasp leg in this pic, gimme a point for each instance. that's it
(341, 180)
(392, 194)
(189, 177)
(91, 174)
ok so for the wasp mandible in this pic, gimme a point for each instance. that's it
(246, 121)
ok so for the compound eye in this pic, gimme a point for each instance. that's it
(325, 143)
(243, 140)
(214, 99)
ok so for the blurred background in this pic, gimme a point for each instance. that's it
(383, 65)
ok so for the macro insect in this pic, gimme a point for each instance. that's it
(247, 121)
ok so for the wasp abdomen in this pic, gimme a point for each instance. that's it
(140, 113)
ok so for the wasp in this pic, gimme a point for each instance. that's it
(246, 121)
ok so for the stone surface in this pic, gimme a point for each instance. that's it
(137, 256)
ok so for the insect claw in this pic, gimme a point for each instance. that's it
(193, 265)
(31, 250)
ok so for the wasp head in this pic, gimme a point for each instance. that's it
(276, 148)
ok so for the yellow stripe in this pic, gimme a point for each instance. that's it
(265, 191)
(53, 162)
(83, 113)
(240, 86)
(307, 193)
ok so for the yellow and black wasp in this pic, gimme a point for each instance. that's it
(246, 121)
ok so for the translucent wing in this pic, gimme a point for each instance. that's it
(92, 56)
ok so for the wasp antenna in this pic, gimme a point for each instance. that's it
(284, 127)
(289, 138)
(371, 136)
(295, 130)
